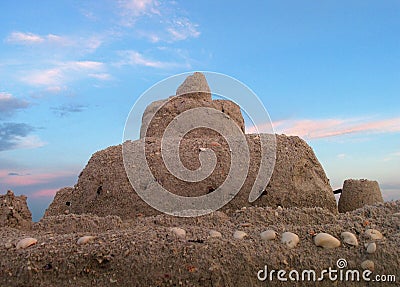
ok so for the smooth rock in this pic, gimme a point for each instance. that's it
(239, 234)
(371, 247)
(179, 232)
(368, 265)
(326, 240)
(290, 239)
(84, 239)
(373, 234)
(268, 235)
(214, 233)
(349, 238)
(26, 242)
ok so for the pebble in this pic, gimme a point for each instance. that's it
(84, 239)
(8, 245)
(368, 265)
(371, 247)
(290, 239)
(268, 235)
(326, 240)
(26, 242)
(349, 238)
(239, 234)
(214, 233)
(373, 234)
(179, 232)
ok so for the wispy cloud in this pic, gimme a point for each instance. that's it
(67, 109)
(182, 29)
(62, 73)
(392, 156)
(87, 44)
(10, 104)
(24, 38)
(101, 76)
(44, 193)
(18, 136)
(131, 10)
(26, 178)
(134, 58)
(324, 128)
(169, 22)
(27, 38)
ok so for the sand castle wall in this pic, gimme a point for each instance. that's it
(14, 211)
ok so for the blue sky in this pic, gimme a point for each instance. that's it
(328, 71)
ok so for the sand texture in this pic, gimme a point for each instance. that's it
(145, 252)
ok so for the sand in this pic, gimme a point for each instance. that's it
(145, 252)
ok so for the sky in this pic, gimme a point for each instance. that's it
(70, 71)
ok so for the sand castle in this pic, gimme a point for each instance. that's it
(103, 188)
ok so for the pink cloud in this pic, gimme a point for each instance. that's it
(44, 193)
(323, 128)
(30, 178)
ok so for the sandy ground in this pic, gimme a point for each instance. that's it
(145, 252)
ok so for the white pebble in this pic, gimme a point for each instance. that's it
(326, 240)
(179, 232)
(239, 234)
(84, 239)
(290, 239)
(371, 247)
(368, 265)
(214, 233)
(26, 242)
(349, 238)
(373, 234)
(268, 235)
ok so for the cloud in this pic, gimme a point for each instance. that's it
(17, 136)
(101, 76)
(134, 58)
(28, 178)
(166, 19)
(67, 109)
(182, 29)
(23, 38)
(392, 156)
(131, 10)
(63, 72)
(87, 44)
(44, 193)
(324, 128)
(10, 104)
